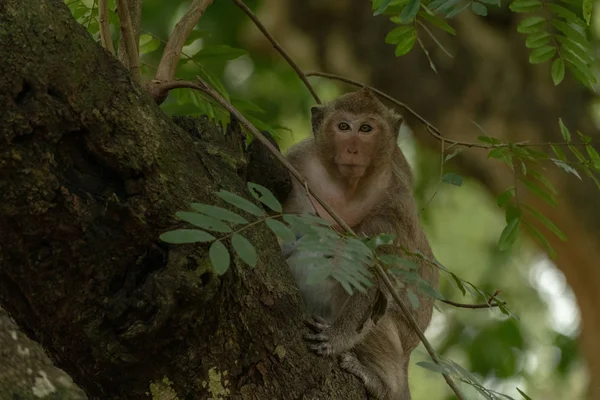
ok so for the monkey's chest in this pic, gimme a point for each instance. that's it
(352, 212)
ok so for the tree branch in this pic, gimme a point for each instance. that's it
(472, 306)
(128, 40)
(205, 88)
(105, 35)
(170, 57)
(277, 47)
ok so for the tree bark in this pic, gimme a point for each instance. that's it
(489, 80)
(91, 173)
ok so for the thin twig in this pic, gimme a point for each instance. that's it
(472, 306)
(103, 18)
(277, 47)
(205, 88)
(183, 28)
(128, 37)
(422, 25)
(135, 15)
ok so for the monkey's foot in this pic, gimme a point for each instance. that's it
(351, 364)
(322, 338)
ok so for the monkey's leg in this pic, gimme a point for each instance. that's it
(374, 386)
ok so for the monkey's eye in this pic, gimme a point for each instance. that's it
(365, 128)
(343, 126)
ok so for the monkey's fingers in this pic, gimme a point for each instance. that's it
(317, 324)
(321, 349)
(316, 337)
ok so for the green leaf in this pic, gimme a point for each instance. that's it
(524, 395)
(542, 54)
(579, 69)
(397, 34)
(538, 191)
(504, 197)
(512, 212)
(489, 139)
(544, 180)
(586, 8)
(540, 238)
(317, 275)
(566, 134)
(565, 13)
(577, 154)
(382, 7)
(219, 257)
(390, 260)
(281, 230)
(406, 43)
(433, 367)
(429, 290)
(195, 35)
(452, 179)
(457, 11)
(566, 167)
(531, 25)
(509, 234)
(523, 6)
(450, 156)
(559, 152)
(414, 300)
(265, 196)
(219, 52)
(147, 44)
(409, 12)
(594, 156)
(240, 203)
(436, 21)
(204, 221)
(582, 53)
(537, 39)
(244, 249)
(549, 224)
(219, 213)
(558, 71)
(459, 283)
(570, 33)
(179, 236)
(441, 6)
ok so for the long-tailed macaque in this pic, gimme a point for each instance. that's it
(353, 162)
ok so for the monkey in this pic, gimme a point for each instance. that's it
(354, 163)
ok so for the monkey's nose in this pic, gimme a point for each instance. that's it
(350, 151)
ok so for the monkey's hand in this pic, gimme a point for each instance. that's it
(324, 340)
(348, 328)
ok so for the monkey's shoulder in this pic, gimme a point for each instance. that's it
(299, 152)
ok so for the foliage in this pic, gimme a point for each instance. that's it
(556, 32)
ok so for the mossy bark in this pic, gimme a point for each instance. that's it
(91, 172)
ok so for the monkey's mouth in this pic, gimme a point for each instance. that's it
(352, 170)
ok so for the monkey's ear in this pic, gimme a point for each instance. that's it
(317, 114)
(396, 120)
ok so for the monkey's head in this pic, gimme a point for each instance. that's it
(356, 133)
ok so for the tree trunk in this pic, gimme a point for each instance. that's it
(489, 80)
(91, 173)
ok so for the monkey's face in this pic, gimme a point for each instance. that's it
(357, 141)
